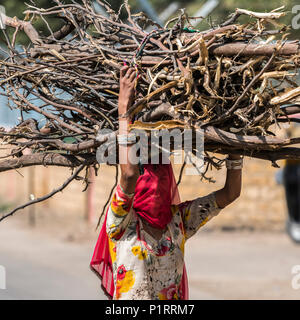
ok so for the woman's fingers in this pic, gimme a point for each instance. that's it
(123, 71)
(133, 75)
(129, 72)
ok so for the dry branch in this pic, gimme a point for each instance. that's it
(233, 77)
(234, 81)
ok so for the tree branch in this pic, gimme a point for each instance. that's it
(47, 159)
(22, 25)
(49, 195)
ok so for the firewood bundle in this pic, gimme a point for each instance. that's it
(236, 82)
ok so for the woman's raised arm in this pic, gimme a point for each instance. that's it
(129, 171)
(232, 187)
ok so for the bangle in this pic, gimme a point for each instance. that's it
(126, 139)
(234, 164)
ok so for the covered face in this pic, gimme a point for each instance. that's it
(155, 192)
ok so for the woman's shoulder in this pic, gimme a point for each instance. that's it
(177, 213)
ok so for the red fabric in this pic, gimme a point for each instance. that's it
(101, 262)
(155, 192)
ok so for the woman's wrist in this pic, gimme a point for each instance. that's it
(125, 120)
(126, 139)
(234, 156)
(122, 112)
(124, 126)
(234, 164)
(123, 115)
(123, 105)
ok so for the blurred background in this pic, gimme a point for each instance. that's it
(244, 253)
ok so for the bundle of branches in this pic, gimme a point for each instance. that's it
(234, 81)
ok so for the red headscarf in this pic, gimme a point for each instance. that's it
(155, 192)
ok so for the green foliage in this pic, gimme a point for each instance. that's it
(226, 7)
(16, 8)
(223, 10)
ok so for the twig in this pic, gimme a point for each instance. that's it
(49, 195)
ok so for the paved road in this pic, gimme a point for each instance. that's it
(242, 265)
(221, 265)
(42, 268)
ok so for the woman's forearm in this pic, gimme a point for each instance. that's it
(232, 188)
(129, 171)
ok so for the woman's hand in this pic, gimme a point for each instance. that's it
(128, 78)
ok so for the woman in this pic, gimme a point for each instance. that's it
(140, 250)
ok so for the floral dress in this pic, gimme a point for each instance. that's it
(145, 268)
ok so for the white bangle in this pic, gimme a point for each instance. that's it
(234, 164)
(235, 168)
(126, 139)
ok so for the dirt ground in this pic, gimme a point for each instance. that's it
(50, 261)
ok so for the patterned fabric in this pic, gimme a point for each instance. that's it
(144, 268)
